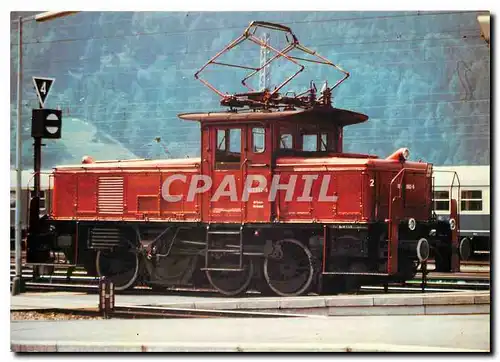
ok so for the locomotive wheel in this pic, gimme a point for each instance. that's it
(121, 266)
(231, 283)
(289, 268)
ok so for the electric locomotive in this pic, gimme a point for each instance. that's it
(272, 203)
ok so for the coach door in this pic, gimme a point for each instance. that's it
(256, 206)
(227, 174)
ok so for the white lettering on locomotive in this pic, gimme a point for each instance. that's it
(230, 181)
(195, 189)
(165, 189)
(248, 189)
(323, 197)
(254, 184)
(408, 186)
(289, 187)
(306, 193)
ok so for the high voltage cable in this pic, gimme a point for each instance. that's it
(174, 61)
(226, 28)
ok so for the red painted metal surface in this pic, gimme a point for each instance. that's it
(79, 196)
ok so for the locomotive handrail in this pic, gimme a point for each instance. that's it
(392, 247)
(455, 176)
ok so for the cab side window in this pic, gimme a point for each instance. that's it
(221, 140)
(286, 141)
(323, 145)
(310, 142)
(258, 139)
(228, 149)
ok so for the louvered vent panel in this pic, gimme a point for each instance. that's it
(104, 238)
(110, 195)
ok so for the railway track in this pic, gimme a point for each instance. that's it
(79, 281)
(134, 311)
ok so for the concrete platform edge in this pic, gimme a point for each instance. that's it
(52, 346)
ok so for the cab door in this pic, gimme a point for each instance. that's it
(256, 206)
(227, 174)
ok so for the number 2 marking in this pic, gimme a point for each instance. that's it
(372, 182)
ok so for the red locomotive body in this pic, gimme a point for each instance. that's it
(273, 202)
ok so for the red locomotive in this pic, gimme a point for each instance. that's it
(273, 202)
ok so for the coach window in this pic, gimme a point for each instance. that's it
(12, 200)
(441, 200)
(258, 139)
(42, 199)
(228, 152)
(472, 200)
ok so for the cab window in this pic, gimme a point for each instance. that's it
(286, 141)
(315, 142)
(323, 146)
(228, 150)
(258, 139)
(310, 142)
(221, 139)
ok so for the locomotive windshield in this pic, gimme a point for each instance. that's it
(310, 138)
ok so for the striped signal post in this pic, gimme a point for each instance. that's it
(106, 297)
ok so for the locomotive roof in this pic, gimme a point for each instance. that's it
(326, 114)
(134, 164)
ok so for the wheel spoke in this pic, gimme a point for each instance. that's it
(292, 274)
(121, 266)
(231, 283)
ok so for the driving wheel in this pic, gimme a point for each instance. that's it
(120, 265)
(289, 268)
(231, 282)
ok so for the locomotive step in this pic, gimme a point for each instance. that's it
(223, 269)
(219, 232)
(353, 273)
(228, 251)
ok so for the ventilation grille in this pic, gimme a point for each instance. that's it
(110, 195)
(104, 238)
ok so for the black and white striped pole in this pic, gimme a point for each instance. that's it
(106, 297)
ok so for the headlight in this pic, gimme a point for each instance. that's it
(406, 153)
(453, 224)
(412, 224)
(423, 250)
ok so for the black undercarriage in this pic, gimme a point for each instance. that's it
(282, 259)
